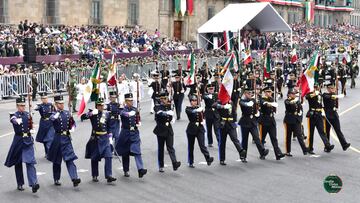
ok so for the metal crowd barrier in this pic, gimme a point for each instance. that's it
(56, 81)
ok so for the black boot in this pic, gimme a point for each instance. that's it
(76, 182)
(263, 155)
(95, 179)
(346, 146)
(142, 172)
(57, 183)
(209, 160)
(110, 179)
(35, 188)
(176, 165)
(20, 188)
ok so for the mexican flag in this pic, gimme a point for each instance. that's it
(95, 79)
(190, 79)
(267, 64)
(247, 57)
(309, 11)
(226, 87)
(228, 40)
(177, 5)
(85, 97)
(228, 64)
(190, 7)
(112, 72)
(183, 7)
(293, 56)
(310, 76)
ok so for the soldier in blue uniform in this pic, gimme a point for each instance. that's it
(164, 131)
(114, 109)
(98, 146)
(195, 129)
(46, 131)
(61, 147)
(22, 147)
(129, 139)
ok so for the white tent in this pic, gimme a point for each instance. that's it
(234, 17)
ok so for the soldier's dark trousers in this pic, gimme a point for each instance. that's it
(319, 122)
(264, 130)
(222, 141)
(178, 103)
(34, 93)
(31, 174)
(293, 129)
(70, 167)
(191, 142)
(255, 135)
(107, 167)
(352, 82)
(210, 124)
(343, 86)
(126, 162)
(169, 140)
(335, 123)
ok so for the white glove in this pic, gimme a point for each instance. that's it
(170, 113)
(323, 113)
(250, 103)
(19, 121)
(72, 130)
(32, 131)
(227, 106)
(95, 112)
(274, 104)
(257, 114)
(200, 109)
(203, 122)
(111, 141)
(300, 113)
(173, 121)
(138, 125)
(317, 92)
(340, 96)
(132, 113)
(210, 96)
(182, 91)
(56, 116)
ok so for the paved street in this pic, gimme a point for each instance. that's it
(296, 179)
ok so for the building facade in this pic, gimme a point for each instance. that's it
(355, 15)
(156, 14)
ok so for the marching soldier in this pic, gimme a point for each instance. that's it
(235, 94)
(179, 88)
(98, 146)
(279, 80)
(248, 123)
(211, 115)
(195, 129)
(292, 122)
(72, 90)
(122, 88)
(61, 148)
(164, 76)
(164, 132)
(114, 110)
(136, 87)
(316, 118)
(227, 127)
(129, 139)
(267, 123)
(22, 147)
(331, 103)
(156, 87)
(354, 71)
(46, 130)
(292, 81)
(341, 75)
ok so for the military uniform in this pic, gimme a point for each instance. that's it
(316, 119)
(354, 71)
(248, 124)
(72, 91)
(292, 123)
(196, 130)
(156, 87)
(342, 76)
(179, 88)
(98, 146)
(227, 127)
(164, 78)
(164, 133)
(129, 139)
(211, 116)
(114, 110)
(61, 148)
(46, 130)
(235, 96)
(332, 118)
(22, 148)
(267, 123)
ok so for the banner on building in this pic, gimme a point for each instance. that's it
(309, 11)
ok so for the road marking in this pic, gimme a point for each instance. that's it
(7, 134)
(315, 156)
(82, 171)
(202, 163)
(332, 132)
(121, 168)
(40, 173)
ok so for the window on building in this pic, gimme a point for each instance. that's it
(316, 20)
(96, 16)
(51, 11)
(164, 5)
(325, 23)
(290, 17)
(330, 20)
(133, 12)
(211, 12)
(3, 11)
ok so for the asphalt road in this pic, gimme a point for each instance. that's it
(296, 179)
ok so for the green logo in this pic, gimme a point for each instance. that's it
(333, 184)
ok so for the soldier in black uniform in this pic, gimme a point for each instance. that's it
(341, 74)
(279, 81)
(164, 132)
(248, 123)
(195, 129)
(179, 88)
(330, 74)
(235, 94)
(292, 122)
(156, 86)
(227, 127)
(332, 118)
(164, 76)
(292, 81)
(354, 71)
(316, 118)
(211, 115)
(267, 123)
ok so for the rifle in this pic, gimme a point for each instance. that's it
(29, 89)
(69, 92)
(138, 118)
